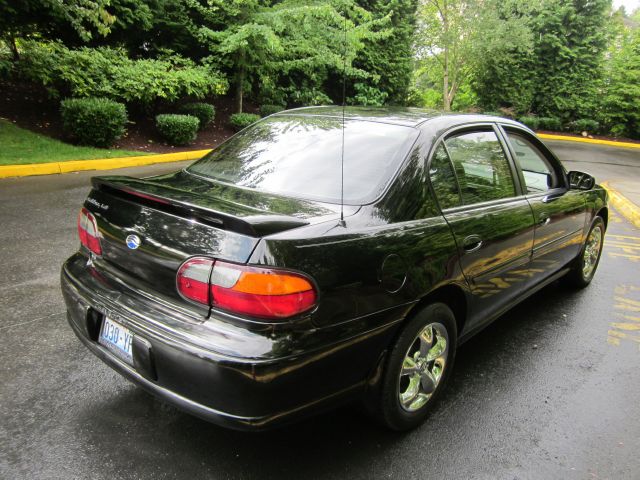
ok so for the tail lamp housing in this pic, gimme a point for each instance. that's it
(257, 292)
(88, 231)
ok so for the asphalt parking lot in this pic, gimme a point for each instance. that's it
(551, 390)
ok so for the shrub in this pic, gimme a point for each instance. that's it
(584, 125)
(550, 123)
(177, 129)
(241, 120)
(93, 121)
(204, 112)
(532, 122)
(368, 96)
(266, 110)
(109, 72)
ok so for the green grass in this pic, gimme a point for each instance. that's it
(20, 146)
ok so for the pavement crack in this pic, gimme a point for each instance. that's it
(30, 321)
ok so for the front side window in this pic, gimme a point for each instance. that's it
(481, 167)
(538, 174)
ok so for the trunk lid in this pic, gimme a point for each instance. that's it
(178, 216)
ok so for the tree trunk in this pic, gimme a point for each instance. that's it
(240, 75)
(446, 99)
(11, 41)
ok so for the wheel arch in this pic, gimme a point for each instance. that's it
(604, 214)
(451, 295)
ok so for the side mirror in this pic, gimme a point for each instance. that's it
(581, 181)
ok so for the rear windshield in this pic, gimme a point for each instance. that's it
(300, 156)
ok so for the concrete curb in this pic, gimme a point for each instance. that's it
(99, 164)
(626, 207)
(596, 141)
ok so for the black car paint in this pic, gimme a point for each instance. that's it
(389, 257)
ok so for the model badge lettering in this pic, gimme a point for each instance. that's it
(95, 202)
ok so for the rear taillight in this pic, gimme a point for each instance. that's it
(245, 290)
(88, 231)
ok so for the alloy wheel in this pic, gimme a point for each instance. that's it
(423, 367)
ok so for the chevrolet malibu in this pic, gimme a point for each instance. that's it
(322, 256)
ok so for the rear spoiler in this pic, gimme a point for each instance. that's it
(237, 218)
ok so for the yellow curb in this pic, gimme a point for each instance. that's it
(596, 141)
(98, 164)
(626, 207)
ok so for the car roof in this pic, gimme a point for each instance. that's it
(405, 116)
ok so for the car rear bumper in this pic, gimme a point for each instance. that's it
(222, 373)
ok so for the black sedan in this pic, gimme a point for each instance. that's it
(280, 274)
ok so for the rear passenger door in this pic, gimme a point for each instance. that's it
(560, 213)
(479, 195)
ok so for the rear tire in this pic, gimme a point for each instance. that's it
(418, 367)
(585, 265)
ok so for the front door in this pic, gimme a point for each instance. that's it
(476, 187)
(560, 213)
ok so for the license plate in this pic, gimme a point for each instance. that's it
(117, 339)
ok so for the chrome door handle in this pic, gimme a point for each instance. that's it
(551, 198)
(471, 243)
(544, 220)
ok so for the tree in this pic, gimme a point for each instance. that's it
(570, 41)
(388, 60)
(77, 19)
(620, 99)
(461, 34)
(261, 43)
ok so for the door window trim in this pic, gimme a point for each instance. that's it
(544, 151)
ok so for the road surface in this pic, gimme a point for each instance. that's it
(551, 390)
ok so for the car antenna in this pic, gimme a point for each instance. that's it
(342, 223)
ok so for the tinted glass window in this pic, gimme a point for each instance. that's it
(443, 179)
(538, 174)
(481, 167)
(300, 156)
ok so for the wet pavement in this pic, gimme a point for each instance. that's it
(550, 390)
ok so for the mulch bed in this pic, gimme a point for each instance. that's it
(30, 108)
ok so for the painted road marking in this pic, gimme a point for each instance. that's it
(624, 255)
(629, 328)
(622, 236)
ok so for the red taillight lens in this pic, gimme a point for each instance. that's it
(252, 291)
(88, 231)
(260, 292)
(193, 279)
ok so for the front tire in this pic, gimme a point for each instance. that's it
(585, 265)
(418, 367)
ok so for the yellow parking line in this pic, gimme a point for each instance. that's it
(626, 326)
(622, 236)
(626, 207)
(632, 257)
(613, 341)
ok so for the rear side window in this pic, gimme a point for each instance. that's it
(538, 174)
(481, 167)
(443, 179)
(300, 156)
